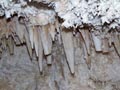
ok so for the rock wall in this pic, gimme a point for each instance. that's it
(59, 45)
(18, 72)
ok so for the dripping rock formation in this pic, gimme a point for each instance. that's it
(59, 45)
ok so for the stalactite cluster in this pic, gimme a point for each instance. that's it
(81, 37)
(40, 38)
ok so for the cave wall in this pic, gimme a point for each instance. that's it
(18, 72)
(47, 56)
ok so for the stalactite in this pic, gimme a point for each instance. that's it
(67, 38)
(73, 42)
(41, 38)
(40, 51)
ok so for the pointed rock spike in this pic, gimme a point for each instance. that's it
(52, 31)
(40, 57)
(28, 45)
(4, 42)
(86, 38)
(67, 38)
(46, 40)
(36, 40)
(57, 25)
(30, 30)
(19, 29)
(116, 43)
(11, 45)
(86, 56)
(97, 42)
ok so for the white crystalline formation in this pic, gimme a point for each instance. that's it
(91, 12)
(20, 7)
(74, 12)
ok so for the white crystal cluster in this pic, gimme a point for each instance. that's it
(21, 8)
(94, 13)
(90, 12)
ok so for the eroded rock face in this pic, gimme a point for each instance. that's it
(18, 72)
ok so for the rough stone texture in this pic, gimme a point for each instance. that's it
(18, 72)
